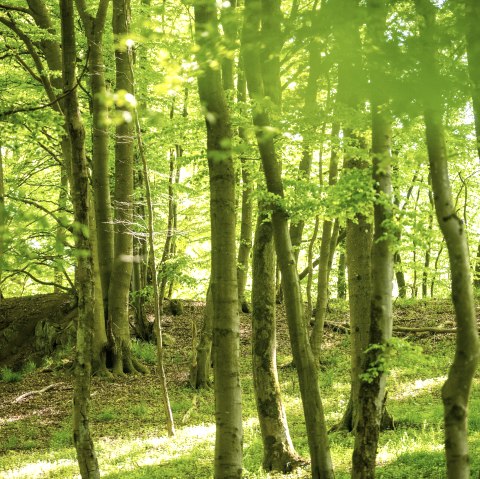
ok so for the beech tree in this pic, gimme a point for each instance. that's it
(86, 456)
(228, 410)
(456, 390)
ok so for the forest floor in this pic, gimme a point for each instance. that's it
(128, 423)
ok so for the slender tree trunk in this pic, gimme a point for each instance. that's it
(61, 232)
(341, 281)
(247, 207)
(321, 464)
(228, 405)
(202, 363)
(84, 280)
(157, 298)
(323, 266)
(456, 390)
(278, 451)
(167, 248)
(472, 23)
(3, 220)
(428, 250)
(372, 391)
(311, 244)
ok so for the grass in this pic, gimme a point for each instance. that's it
(128, 423)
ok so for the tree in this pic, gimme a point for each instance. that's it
(82, 439)
(302, 354)
(119, 285)
(228, 405)
(456, 390)
(371, 396)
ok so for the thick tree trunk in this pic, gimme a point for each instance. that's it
(278, 451)
(84, 277)
(118, 327)
(456, 390)
(94, 28)
(228, 404)
(321, 463)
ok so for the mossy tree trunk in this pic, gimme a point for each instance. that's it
(351, 83)
(371, 398)
(84, 277)
(278, 451)
(228, 404)
(118, 327)
(456, 390)
(302, 354)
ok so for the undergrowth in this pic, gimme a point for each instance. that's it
(128, 423)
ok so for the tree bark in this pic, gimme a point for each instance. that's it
(278, 451)
(202, 363)
(321, 463)
(157, 297)
(247, 207)
(228, 404)
(372, 396)
(118, 327)
(456, 390)
(323, 266)
(84, 278)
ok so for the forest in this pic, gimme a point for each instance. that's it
(239, 239)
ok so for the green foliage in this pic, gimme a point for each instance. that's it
(9, 376)
(396, 351)
(144, 351)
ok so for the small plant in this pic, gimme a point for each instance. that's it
(9, 376)
(145, 352)
(106, 415)
(29, 367)
(61, 438)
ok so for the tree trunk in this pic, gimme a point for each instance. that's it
(228, 404)
(278, 451)
(323, 266)
(472, 23)
(119, 285)
(321, 464)
(202, 363)
(247, 208)
(456, 390)
(358, 231)
(372, 396)
(157, 297)
(94, 28)
(3, 221)
(84, 278)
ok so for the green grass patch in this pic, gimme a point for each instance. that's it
(128, 423)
